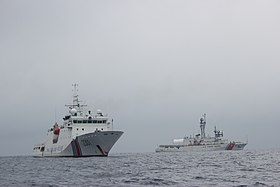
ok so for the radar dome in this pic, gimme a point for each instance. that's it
(99, 112)
(73, 111)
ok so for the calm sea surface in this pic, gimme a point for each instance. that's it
(224, 168)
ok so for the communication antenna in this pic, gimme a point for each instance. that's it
(75, 90)
(76, 102)
(55, 114)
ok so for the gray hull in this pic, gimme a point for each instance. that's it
(192, 148)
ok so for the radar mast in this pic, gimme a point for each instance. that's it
(202, 125)
(76, 102)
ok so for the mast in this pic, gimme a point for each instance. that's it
(202, 125)
(218, 133)
(76, 102)
(75, 96)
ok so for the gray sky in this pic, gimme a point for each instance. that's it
(154, 65)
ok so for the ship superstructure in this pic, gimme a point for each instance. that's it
(81, 134)
(201, 142)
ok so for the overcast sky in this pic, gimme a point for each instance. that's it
(155, 66)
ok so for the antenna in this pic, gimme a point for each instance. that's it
(55, 114)
(75, 96)
(75, 90)
(76, 102)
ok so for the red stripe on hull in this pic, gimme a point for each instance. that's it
(78, 148)
(230, 146)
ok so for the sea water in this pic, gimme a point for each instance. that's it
(217, 168)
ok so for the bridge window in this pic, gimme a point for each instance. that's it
(74, 121)
(85, 121)
(89, 121)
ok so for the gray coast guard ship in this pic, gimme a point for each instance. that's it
(201, 142)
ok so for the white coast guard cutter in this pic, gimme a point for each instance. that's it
(82, 134)
(201, 142)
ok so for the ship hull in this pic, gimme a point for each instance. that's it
(239, 146)
(97, 143)
(194, 148)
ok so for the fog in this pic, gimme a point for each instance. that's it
(154, 66)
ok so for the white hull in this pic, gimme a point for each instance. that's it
(193, 148)
(81, 134)
(91, 144)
